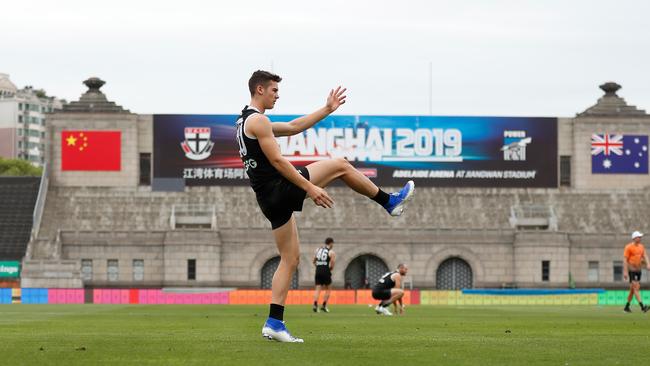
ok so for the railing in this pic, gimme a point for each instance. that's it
(193, 213)
(40, 203)
(530, 211)
(37, 215)
(533, 215)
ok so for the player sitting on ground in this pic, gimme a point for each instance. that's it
(389, 290)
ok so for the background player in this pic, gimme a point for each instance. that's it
(634, 258)
(280, 188)
(389, 290)
(324, 261)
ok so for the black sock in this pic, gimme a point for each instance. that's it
(276, 312)
(316, 303)
(381, 198)
(324, 304)
(641, 305)
(627, 305)
(386, 304)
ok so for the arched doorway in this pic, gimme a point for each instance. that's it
(269, 269)
(453, 274)
(364, 271)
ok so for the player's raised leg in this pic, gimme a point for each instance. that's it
(286, 239)
(322, 173)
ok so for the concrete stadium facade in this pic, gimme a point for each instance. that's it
(109, 229)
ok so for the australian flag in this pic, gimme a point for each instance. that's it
(619, 154)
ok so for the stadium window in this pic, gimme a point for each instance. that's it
(138, 269)
(546, 270)
(20, 119)
(145, 169)
(20, 106)
(191, 269)
(592, 274)
(618, 271)
(87, 269)
(565, 171)
(113, 270)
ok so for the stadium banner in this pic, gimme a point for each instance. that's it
(9, 269)
(431, 150)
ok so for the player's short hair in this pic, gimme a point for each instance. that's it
(329, 241)
(261, 77)
(401, 265)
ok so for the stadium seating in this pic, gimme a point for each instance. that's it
(123, 209)
(17, 199)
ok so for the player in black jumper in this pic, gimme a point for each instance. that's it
(280, 188)
(389, 290)
(324, 260)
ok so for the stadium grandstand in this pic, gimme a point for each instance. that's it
(124, 226)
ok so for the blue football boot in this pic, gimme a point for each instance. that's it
(275, 330)
(397, 200)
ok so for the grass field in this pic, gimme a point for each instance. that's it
(351, 335)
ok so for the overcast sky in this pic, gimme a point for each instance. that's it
(505, 58)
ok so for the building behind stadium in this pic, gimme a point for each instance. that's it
(553, 215)
(22, 121)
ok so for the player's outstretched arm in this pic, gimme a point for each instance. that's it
(260, 126)
(335, 99)
(332, 260)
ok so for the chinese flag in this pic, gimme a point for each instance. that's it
(91, 150)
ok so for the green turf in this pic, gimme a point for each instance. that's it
(354, 335)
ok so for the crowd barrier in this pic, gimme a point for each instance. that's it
(305, 297)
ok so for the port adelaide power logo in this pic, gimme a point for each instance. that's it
(197, 144)
(514, 145)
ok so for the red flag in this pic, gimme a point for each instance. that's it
(91, 150)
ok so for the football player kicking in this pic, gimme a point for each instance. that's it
(280, 188)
